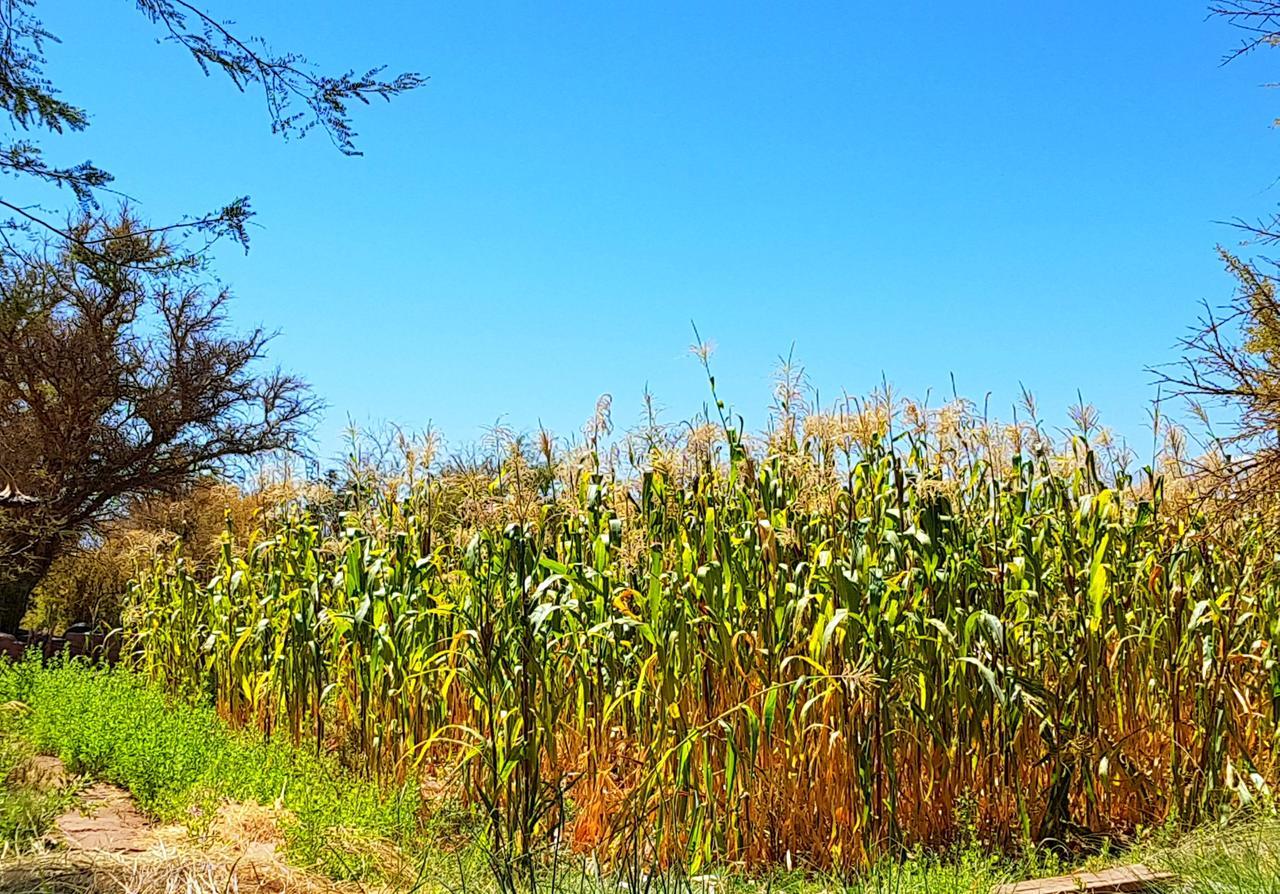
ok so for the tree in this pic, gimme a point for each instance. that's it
(118, 375)
(1231, 358)
(299, 98)
(1231, 361)
(119, 378)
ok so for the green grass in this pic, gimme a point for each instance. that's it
(180, 762)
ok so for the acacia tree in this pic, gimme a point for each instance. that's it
(119, 378)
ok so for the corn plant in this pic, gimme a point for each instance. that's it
(871, 629)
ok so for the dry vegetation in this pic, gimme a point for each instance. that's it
(187, 870)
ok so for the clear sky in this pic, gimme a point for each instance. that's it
(1009, 192)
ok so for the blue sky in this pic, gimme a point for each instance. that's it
(1010, 193)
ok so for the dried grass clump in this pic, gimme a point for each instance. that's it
(162, 872)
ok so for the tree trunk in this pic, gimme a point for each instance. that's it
(15, 596)
(16, 587)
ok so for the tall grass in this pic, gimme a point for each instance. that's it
(857, 634)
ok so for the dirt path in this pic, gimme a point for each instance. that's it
(106, 844)
(105, 820)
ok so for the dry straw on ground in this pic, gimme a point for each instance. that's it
(177, 871)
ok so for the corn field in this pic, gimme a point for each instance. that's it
(864, 631)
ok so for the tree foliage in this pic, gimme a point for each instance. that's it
(1231, 361)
